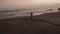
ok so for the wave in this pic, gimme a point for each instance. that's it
(9, 14)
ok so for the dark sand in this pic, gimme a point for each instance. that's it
(48, 23)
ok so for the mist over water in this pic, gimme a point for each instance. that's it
(26, 4)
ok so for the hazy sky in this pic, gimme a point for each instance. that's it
(12, 4)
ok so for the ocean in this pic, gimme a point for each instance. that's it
(10, 14)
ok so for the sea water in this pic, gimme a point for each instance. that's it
(10, 14)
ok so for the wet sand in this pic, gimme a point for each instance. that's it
(48, 23)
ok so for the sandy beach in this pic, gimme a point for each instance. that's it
(48, 23)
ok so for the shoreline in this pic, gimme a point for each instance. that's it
(53, 18)
(23, 25)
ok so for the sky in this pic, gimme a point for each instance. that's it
(25, 4)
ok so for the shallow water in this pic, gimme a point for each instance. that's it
(6, 14)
